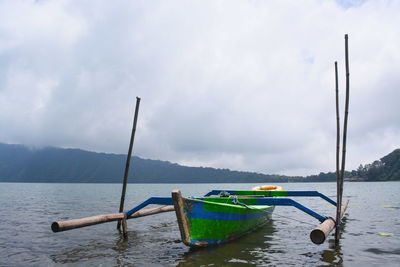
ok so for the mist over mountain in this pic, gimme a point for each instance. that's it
(19, 163)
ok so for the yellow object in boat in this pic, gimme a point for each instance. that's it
(268, 187)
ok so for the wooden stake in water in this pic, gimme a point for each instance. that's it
(346, 113)
(128, 160)
(337, 152)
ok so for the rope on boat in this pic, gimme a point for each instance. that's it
(235, 201)
(290, 218)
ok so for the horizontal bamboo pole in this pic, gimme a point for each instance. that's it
(78, 223)
(320, 233)
(147, 212)
(83, 222)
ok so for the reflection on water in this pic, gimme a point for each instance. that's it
(244, 251)
(334, 255)
(27, 211)
(380, 251)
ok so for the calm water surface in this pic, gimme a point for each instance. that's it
(371, 230)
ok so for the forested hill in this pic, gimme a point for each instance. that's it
(385, 169)
(21, 164)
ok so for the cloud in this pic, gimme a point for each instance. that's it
(246, 85)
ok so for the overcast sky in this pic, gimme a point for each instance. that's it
(245, 85)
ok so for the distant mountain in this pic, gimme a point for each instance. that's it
(19, 163)
(22, 164)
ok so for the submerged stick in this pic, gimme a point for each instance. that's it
(320, 233)
(124, 227)
(128, 160)
(88, 221)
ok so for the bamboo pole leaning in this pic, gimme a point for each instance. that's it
(338, 195)
(346, 114)
(128, 160)
(340, 171)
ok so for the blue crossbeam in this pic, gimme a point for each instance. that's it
(271, 194)
(280, 201)
(261, 200)
(152, 200)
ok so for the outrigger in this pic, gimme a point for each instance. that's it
(219, 216)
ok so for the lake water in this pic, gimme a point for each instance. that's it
(371, 229)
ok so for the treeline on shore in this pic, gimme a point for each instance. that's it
(21, 164)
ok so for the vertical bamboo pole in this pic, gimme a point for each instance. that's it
(124, 227)
(128, 159)
(346, 113)
(337, 153)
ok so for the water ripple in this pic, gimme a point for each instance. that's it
(27, 210)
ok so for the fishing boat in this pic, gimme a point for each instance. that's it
(225, 215)
(218, 219)
(212, 220)
(219, 216)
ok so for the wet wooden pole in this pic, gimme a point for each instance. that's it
(128, 160)
(320, 233)
(338, 200)
(346, 113)
(99, 219)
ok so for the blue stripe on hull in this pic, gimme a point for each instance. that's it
(208, 241)
(198, 212)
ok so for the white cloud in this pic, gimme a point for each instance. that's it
(245, 85)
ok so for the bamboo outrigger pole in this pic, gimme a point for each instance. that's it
(128, 159)
(99, 219)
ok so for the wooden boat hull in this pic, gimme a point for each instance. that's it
(217, 220)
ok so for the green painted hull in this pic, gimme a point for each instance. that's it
(217, 220)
